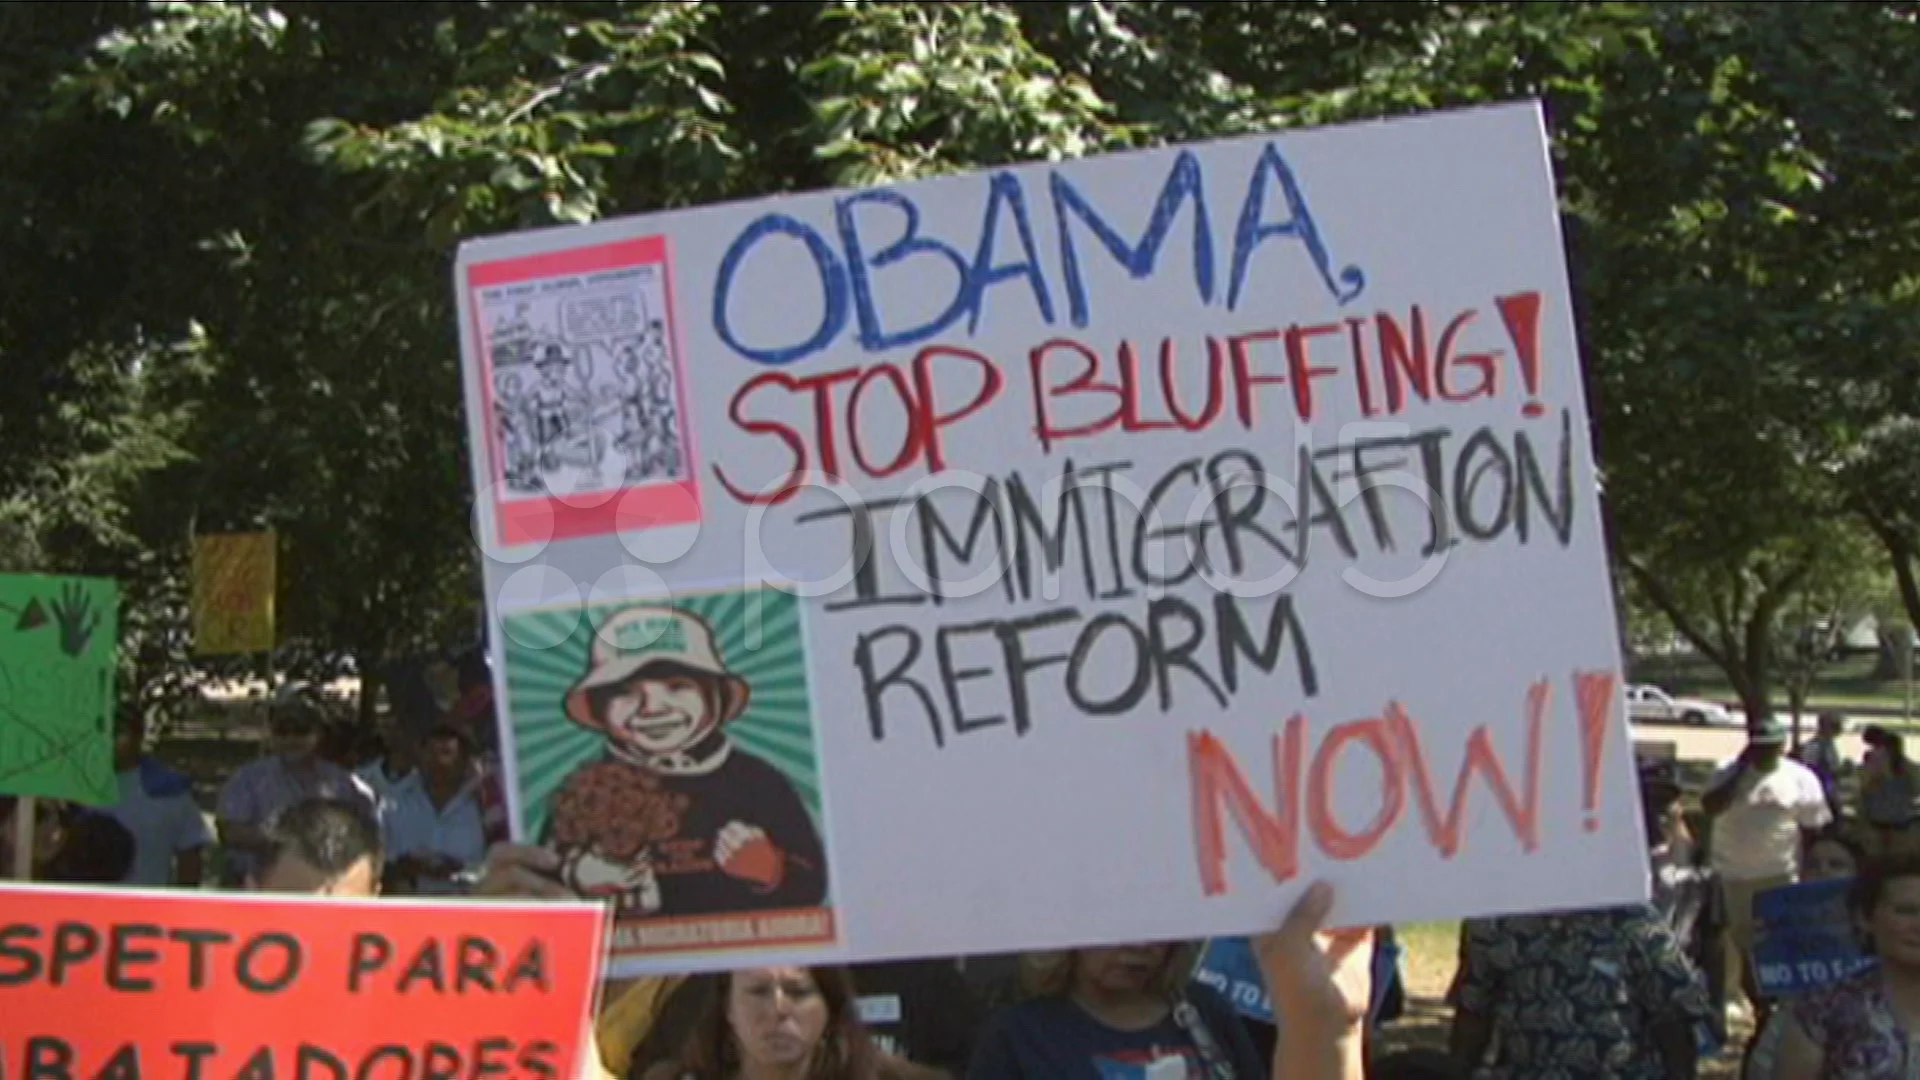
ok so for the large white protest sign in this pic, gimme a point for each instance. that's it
(1060, 554)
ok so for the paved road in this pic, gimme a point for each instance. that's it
(1720, 744)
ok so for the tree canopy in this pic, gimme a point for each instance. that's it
(227, 302)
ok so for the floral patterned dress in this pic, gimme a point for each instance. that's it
(1578, 995)
(1859, 1036)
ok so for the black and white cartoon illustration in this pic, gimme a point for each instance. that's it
(510, 418)
(649, 418)
(584, 382)
(563, 423)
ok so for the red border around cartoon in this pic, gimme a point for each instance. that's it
(517, 521)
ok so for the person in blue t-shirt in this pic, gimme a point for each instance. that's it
(1128, 1012)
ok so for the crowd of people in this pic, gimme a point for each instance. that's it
(1628, 992)
(1642, 991)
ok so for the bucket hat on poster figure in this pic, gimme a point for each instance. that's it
(675, 819)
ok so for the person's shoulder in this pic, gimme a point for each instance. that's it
(159, 781)
(249, 772)
(1804, 776)
(1491, 928)
(743, 763)
(1800, 769)
(347, 787)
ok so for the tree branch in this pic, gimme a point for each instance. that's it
(1669, 606)
(571, 79)
(1900, 551)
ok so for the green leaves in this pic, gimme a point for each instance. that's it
(905, 90)
(230, 223)
(550, 121)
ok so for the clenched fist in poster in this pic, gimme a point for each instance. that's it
(745, 852)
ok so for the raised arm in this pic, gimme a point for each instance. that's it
(1721, 793)
(1321, 985)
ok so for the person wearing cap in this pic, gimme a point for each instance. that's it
(1763, 806)
(555, 405)
(677, 819)
(290, 772)
(434, 828)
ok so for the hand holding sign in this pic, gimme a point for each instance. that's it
(1139, 525)
(522, 870)
(1320, 980)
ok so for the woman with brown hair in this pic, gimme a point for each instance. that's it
(1319, 979)
(1864, 1028)
(782, 1024)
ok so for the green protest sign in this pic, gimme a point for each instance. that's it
(57, 638)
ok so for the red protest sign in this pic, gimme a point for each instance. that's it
(124, 985)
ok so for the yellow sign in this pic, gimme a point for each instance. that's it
(233, 583)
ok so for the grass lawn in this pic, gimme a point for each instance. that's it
(1432, 950)
(1847, 683)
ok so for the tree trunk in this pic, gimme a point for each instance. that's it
(1749, 677)
(1741, 648)
(1754, 700)
(1900, 552)
(1888, 668)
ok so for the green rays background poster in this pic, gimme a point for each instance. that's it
(760, 638)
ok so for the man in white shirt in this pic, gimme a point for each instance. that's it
(156, 805)
(1763, 806)
(291, 771)
(395, 769)
(433, 827)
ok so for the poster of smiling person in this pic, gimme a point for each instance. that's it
(665, 751)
